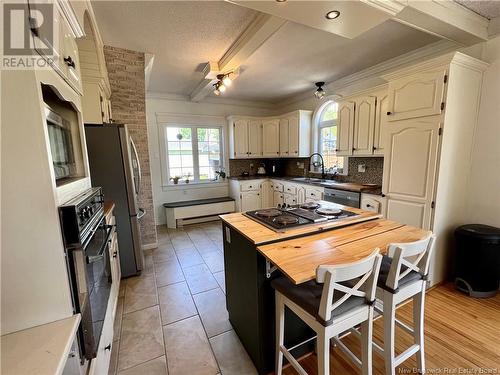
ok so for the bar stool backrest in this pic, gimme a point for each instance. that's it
(401, 254)
(363, 273)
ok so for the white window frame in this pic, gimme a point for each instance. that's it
(165, 120)
(319, 125)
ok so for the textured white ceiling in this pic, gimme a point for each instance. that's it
(486, 8)
(297, 56)
(181, 34)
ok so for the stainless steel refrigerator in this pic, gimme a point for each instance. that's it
(114, 165)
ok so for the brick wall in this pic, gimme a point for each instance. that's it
(128, 104)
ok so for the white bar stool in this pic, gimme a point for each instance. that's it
(330, 309)
(403, 275)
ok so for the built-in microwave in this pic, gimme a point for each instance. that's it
(61, 145)
(64, 137)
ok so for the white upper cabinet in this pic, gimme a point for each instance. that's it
(364, 126)
(286, 136)
(270, 138)
(254, 138)
(294, 136)
(345, 128)
(240, 131)
(380, 132)
(410, 170)
(284, 141)
(416, 95)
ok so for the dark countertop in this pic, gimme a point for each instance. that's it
(349, 186)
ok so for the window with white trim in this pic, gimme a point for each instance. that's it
(327, 130)
(193, 153)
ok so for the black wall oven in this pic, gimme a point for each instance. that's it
(86, 239)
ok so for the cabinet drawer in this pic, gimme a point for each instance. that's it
(278, 187)
(314, 194)
(250, 186)
(290, 189)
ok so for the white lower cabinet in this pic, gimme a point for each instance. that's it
(313, 194)
(278, 198)
(250, 200)
(374, 203)
(289, 199)
(267, 192)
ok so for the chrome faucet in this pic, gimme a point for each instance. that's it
(315, 164)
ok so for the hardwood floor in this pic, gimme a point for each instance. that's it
(462, 336)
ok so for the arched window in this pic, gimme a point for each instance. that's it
(327, 126)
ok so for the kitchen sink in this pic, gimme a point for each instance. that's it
(307, 179)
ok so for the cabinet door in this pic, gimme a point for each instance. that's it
(240, 138)
(293, 136)
(250, 200)
(416, 96)
(254, 138)
(284, 141)
(270, 138)
(71, 57)
(289, 199)
(277, 198)
(345, 128)
(266, 194)
(410, 170)
(364, 124)
(380, 134)
(301, 194)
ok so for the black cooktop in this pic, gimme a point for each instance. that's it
(285, 217)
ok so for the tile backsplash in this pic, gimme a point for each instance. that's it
(292, 167)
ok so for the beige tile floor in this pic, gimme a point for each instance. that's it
(172, 319)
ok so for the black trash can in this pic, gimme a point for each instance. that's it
(477, 262)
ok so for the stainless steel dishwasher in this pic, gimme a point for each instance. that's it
(346, 198)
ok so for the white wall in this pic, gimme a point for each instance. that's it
(483, 204)
(173, 105)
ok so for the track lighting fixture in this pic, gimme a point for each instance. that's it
(223, 82)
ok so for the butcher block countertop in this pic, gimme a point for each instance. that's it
(259, 234)
(298, 258)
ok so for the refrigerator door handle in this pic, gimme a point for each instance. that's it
(141, 213)
(139, 173)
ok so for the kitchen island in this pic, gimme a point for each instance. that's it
(254, 255)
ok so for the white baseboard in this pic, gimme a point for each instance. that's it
(150, 246)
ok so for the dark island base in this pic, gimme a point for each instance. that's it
(250, 302)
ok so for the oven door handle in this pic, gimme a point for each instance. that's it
(100, 254)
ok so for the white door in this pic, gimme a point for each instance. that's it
(277, 198)
(364, 125)
(410, 168)
(416, 96)
(284, 141)
(240, 138)
(345, 128)
(270, 138)
(250, 200)
(381, 124)
(293, 136)
(254, 138)
(267, 194)
(70, 56)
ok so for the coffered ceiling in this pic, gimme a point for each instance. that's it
(185, 35)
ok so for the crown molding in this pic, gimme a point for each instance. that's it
(211, 100)
(376, 71)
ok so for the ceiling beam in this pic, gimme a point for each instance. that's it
(256, 34)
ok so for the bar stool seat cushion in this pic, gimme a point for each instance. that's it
(308, 296)
(384, 273)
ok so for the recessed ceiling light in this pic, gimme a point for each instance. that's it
(331, 15)
(280, 1)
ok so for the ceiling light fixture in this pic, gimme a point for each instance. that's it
(223, 82)
(331, 15)
(319, 93)
(281, 1)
